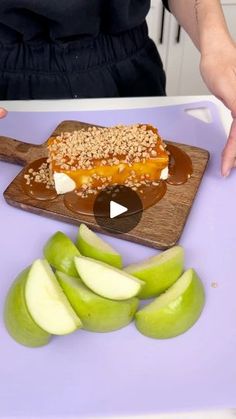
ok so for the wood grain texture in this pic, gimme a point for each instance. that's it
(19, 152)
(161, 225)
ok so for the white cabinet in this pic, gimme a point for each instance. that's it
(158, 20)
(179, 55)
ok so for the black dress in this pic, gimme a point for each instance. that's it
(77, 48)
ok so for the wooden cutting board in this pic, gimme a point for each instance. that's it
(161, 225)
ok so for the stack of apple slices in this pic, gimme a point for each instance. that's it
(82, 285)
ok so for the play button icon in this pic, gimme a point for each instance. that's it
(118, 209)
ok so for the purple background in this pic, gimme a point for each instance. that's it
(124, 372)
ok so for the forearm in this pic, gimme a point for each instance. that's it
(203, 20)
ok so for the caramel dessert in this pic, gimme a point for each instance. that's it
(92, 159)
(82, 163)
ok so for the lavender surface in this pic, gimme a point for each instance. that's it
(88, 374)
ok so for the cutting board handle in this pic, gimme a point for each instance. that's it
(19, 152)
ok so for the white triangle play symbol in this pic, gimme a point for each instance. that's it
(116, 209)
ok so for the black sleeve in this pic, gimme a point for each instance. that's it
(166, 4)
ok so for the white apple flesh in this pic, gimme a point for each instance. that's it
(105, 280)
(18, 321)
(97, 314)
(47, 303)
(158, 272)
(175, 311)
(91, 245)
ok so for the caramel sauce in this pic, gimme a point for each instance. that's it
(78, 204)
(149, 195)
(35, 189)
(180, 169)
(180, 166)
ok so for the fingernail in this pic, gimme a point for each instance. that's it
(226, 174)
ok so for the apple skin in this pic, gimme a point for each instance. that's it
(60, 252)
(97, 314)
(87, 248)
(158, 272)
(18, 320)
(175, 317)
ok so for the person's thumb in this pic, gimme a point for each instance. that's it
(229, 153)
(3, 112)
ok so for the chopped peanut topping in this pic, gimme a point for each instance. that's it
(41, 175)
(95, 146)
(98, 158)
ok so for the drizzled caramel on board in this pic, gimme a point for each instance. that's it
(149, 195)
(180, 171)
(39, 187)
(180, 166)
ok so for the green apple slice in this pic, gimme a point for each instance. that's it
(89, 244)
(107, 281)
(97, 314)
(175, 311)
(60, 252)
(46, 301)
(17, 318)
(158, 272)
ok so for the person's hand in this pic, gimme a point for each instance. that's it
(218, 69)
(3, 112)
